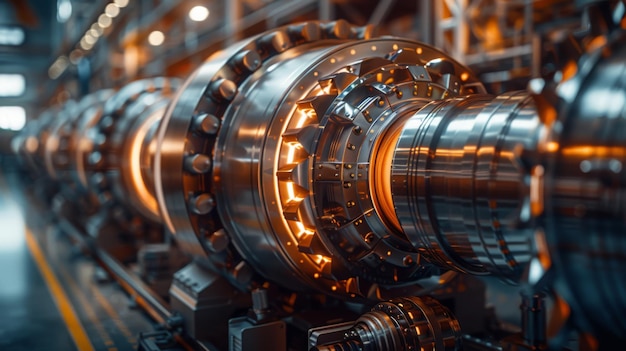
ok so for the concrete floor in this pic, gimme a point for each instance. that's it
(50, 298)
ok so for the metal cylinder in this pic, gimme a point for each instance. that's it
(461, 182)
(415, 323)
(292, 121)
(586, 186)
(119, 147)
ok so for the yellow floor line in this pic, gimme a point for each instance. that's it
(68, 314)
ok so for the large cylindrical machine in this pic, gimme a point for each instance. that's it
(318, 160)
(584, 234)
(349, 166)
(362, 168)
(298, 99)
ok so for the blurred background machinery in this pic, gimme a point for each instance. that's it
(274, 175)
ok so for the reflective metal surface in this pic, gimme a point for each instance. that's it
(461, 182)
(119, 165)
(585, 224)
(267, 117)
(402, 324)
(331, 169)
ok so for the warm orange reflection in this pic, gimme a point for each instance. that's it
(381, 165)
(594, 150)
(139, 184)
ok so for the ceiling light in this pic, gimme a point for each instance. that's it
(12, 117)
(198, 13)
(94, 33)
(64, 10)
(89, 39)
(13, 36)
(12, 84)
(121, 3)
(75, 56)
(85, 45)
(58, 67)
(96, 29)
(104, 21)
(156, 38)
(111, 10)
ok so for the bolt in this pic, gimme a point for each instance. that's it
(341, 29)
(202, 204)
(207, 124)
(248, 60)
(310, 31)
(223, 89)
(95, 158)
(277, 41)
(197, 164)
(242, 272)
(218, 241)
(106, 122)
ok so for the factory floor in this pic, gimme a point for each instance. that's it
(52, 297)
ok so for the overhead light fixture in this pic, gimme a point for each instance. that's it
(95, 28)
(12, 117)
(121, 3)
(12, 36)
(104, 21)
(94, 33)
(12, 84)
(198, 13)
(89, 39)
(112, 10)
(85, 45)
(58, 67)
(156, 38)
(75, 56)
(64, 10)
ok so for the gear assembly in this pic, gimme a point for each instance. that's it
(317, 187)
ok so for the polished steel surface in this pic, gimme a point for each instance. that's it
(402, 324)
(82, 142)
(267, 115)
(52, 143)
(461, 182)
(585, 227)
(115, 166)
(332, 168)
